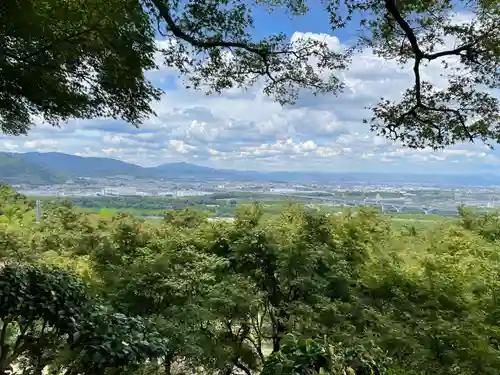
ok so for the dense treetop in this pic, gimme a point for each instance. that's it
(294, 293)
(89, 58)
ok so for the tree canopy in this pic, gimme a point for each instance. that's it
(298, 292)
(89, 59)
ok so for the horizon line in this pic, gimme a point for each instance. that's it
(417, 173)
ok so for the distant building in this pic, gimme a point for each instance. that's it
(282, 190)
(190, 193)
(110, 191)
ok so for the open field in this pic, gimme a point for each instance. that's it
(220, 205)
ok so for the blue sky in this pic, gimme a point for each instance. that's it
(246, 130)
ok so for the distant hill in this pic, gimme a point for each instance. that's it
(189, 171)
(79, 166)
(15, 170)
(182, 168)
(94, 167)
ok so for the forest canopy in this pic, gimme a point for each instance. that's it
(294, 293)
(89, 58)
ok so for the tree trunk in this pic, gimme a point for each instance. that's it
(4, 367)
(167, 368)
(278, 336)
(38, 369)
(276, 344)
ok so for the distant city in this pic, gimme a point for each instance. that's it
(69, 176)
(397, 197)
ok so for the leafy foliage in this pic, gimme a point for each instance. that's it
(418, 32)
(296, 293)
(313, 356)
(107, 340)
(186, 218)
(88, 58)
(38, 308)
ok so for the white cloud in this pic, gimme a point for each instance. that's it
(245, 129)
(40, 144)
(180, 146)
(10, 146)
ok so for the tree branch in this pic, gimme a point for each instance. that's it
(4, 331)
(257, 346)
(265, 52)
(3, 345)
(393, 10)
(241, 366)
(164, 12)
(51, 45)
(419, 55)
(452, 52)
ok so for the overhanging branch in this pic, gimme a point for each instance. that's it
(419, 55)
(270, 58)
(27, 58)
(164, 12)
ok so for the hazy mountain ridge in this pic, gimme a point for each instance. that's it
(55, 167)
(79, 166)
(15, 170)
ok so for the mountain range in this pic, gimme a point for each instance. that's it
(37, 168)
(55, 167)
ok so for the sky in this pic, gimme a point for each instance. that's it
(246, 130)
